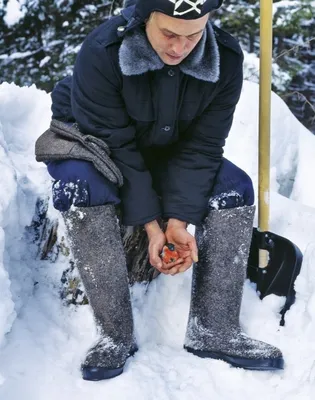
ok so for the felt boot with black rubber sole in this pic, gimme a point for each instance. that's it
(98, 252)
(213, 329)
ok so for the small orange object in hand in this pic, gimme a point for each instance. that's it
(169, 254)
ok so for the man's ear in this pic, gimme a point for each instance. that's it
(150, 17)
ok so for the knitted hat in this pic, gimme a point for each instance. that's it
(184, 9)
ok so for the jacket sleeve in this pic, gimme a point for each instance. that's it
(192, 169)
(99, 110)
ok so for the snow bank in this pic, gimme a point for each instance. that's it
(23, 115)
(47, 341)
(292, 147)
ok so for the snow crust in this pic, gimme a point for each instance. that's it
(42, 342)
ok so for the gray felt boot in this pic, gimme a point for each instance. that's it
(213, 329)
(99, 255)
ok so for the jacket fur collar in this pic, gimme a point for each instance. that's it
(136, 56)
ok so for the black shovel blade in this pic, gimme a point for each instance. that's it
(285, 260)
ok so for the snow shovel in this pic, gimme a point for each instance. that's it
(274, 261)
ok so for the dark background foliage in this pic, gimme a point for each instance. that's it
(41, 47)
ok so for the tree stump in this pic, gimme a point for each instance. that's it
(135, 241)
(45, 233)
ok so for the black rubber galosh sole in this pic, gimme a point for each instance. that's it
(100, 373)
(260, 364)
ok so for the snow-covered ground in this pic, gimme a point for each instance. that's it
(42, 342)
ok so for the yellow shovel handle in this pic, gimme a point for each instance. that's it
(264, 120)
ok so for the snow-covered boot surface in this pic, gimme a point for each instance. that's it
(97, 248)
(213, 329)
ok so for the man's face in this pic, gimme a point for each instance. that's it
(172, 38)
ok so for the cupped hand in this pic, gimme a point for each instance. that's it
(157, 240)
(185, 245)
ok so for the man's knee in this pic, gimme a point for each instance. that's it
(77, 182)
(233, 188)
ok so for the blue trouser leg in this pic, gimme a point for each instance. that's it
(79, 183)
(232, 188)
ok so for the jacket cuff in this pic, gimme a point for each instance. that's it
(139, 205)
(141, 221)
(191, 218)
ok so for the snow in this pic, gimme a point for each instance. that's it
(13, 12)
(280, 78)
(285, 4)
(44, 61)
(43, 341)
(17, 55)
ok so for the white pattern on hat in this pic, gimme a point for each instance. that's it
(193, 3)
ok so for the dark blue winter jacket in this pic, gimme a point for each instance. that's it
(165, 125)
